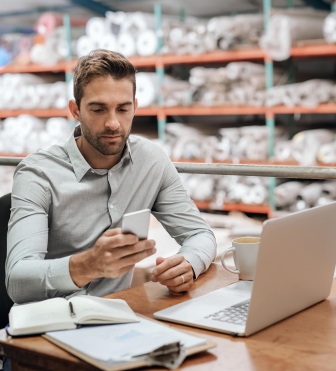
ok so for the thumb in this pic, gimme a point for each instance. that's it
(159, 260)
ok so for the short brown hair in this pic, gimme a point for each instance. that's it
(101, 62)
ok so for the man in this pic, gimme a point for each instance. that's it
(67, 201)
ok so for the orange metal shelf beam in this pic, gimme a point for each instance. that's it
(30, 68)
(258, 209)
(322, 108)
(54, 112)
(216, 56)
(320, 50)
(234, 110)
(187, 111)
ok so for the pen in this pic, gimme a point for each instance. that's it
(73, 314)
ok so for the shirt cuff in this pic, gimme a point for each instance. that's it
(195, 261)
(59, 275)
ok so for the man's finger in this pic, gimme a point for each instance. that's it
(170, 273)
(181, 288)
(178, 280)
(136, 258)
(112, 232)
(119, 240)
(143, 245)
(170, 262)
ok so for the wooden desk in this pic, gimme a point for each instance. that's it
(306, 341)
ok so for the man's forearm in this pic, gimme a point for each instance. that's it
(80, 270)
(34, 280)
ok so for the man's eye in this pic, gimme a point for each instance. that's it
(123, 110)
(97, 110)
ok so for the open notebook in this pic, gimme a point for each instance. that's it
(61, 314)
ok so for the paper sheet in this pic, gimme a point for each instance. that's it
(121, 342)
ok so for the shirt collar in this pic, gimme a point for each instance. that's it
(80, 166)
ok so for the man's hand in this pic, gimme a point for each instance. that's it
(174, 272)
(113, 255)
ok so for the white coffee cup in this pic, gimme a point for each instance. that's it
(245, 253)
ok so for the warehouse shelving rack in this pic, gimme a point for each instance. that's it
(320, 49)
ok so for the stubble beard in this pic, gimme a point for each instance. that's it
(105, 148)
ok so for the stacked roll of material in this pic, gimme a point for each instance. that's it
(307, 147)
(175, 92)
(239, 83)
(296, 196)
(310, 93)
(56, 46)
(245, 143)
(229, 189)
(26, 134)
(240, 29)
(329, 28)
(288, 27)
(28, 91)
(126, 33)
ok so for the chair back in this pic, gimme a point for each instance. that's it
(5, 301)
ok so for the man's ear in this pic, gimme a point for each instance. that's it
(74, 109)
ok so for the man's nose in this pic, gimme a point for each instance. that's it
(112, 122)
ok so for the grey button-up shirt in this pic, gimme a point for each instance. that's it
(61, 206)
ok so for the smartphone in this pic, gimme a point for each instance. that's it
(136, 223)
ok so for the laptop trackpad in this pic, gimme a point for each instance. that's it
(207, 304)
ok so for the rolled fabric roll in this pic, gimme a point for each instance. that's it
(146, 43)
(284, 29)
(9, 126)
(327, 153)
(40, 53)
(307, 143)
(244, 70)
(283, 151)
(59, 92)
(45, 99)
(286, 194)
(26, 124)
(147, 88)
(308, 196)
(84, 46)
(329, 28)
(126, 44)
(200, 187)
(96, 28)
(28, 97)
(58, 129)
(108, 42)
(223, 149)
(257, 151)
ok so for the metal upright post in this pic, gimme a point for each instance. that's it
(160, 70)
(68, 75)
(270, 122)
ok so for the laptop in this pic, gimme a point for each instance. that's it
(295, 269)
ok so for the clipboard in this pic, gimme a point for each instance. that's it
(142, 361)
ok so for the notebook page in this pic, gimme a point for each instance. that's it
(95, 310)
(122, 342)
(48, 315)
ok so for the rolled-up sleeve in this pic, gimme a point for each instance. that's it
(183, 221)
(29, 276)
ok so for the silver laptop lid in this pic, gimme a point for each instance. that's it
(295, 266)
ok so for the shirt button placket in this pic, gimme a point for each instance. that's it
(110, 202)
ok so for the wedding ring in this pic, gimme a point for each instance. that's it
(182, 278)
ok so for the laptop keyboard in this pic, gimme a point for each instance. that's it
(237, 314)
